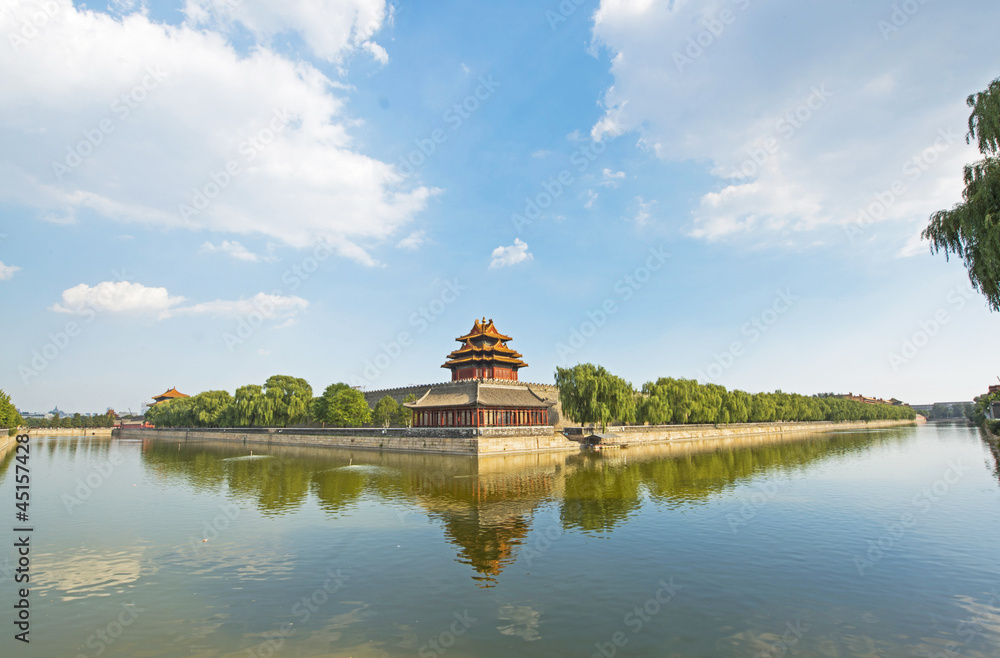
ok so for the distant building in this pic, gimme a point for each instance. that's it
(172, 394)
(861, 398)
(995, 388)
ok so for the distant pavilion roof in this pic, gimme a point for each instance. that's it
(169, 395)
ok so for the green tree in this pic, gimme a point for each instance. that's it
(591, 394)
(253, 407)
(386, 411)
(9, 416)
(290, 397)
(342, 406)
(404, 417)
(971, 230)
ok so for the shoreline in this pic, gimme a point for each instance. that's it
(76, 431)
(489, 441)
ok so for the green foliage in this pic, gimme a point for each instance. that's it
(345, 407)
(9, 416)
(971, 230)
(679, 401)
(405, 415)
(289, 399)
(386, 412)
(977, 414)
(591, 394)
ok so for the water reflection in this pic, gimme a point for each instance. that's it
(487, 506)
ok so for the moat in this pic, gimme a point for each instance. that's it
(863, 542)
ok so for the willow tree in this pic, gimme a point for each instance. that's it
(591, 394)
(971, 230)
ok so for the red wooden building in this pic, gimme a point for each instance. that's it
(482, 392)
(484, 355)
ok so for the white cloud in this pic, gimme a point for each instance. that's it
(611, 178)
(512, 255)
(231, 248)
(643, 214)
(263, 352)
(116, 297)
(413, 240)
(332, 29)
(7, 271)
(591, 198)
(798, 143)
(267, 305)
(193, 105)
(128, 297)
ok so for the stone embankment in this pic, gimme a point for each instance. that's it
(485, 441)
(90, 431)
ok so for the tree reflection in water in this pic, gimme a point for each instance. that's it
(486, 506)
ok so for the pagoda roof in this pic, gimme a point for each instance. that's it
(483, 328)
(479, 394)
(172, 393)
(484, 344)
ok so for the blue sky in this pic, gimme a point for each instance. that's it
(201, 194)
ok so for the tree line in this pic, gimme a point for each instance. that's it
(9, 416)
(591, 394)
(75, 421)
(282, 401)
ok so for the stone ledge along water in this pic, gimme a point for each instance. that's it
(488, 440)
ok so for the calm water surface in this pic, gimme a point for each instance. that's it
(871, 543)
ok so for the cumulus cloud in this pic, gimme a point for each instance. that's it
(512, 255)
(7, 271)
(116, 297)
(331, 29)
(135, 298)
(801, 143)
(413, 240)
(231, 248)
(178, 132)
(611, 178)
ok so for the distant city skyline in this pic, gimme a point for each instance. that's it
(727, 191)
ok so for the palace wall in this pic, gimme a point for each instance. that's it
(448, 440)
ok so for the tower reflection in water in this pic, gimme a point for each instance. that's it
(487, 506)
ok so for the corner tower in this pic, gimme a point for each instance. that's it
(484, 355)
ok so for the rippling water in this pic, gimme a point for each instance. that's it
(880, 543)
